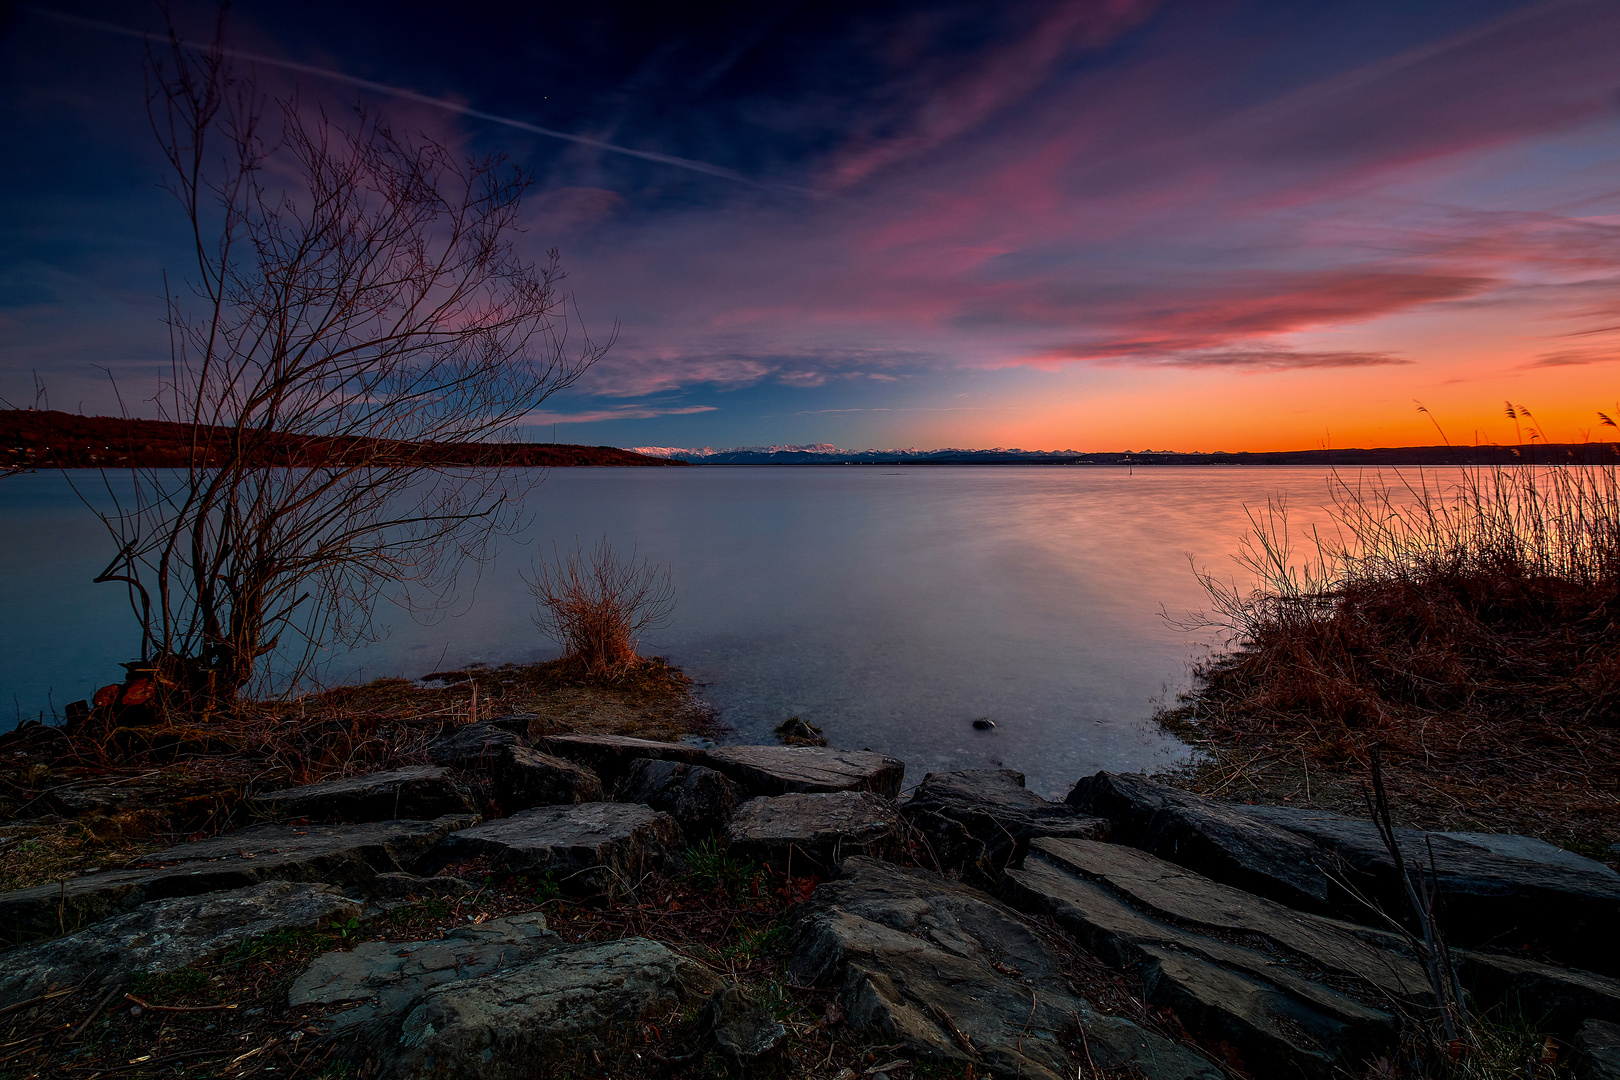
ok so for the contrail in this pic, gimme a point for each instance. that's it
(425, 99)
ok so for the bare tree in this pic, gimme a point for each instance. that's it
(358, 327)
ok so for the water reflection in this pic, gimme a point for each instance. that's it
(890, 606)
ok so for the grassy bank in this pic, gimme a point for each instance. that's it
(1465, 621)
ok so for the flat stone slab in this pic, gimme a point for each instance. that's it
(811, 833)
(980, 821)
(166, 935)
(954, 976)
(698, 797)
(1291, 993)
(420, 792)
(610, 756)
(340, 855)
(525, 778)
(382, 979)
(759, 770)
(591, 848)
(471, 746)
(1509, 891)
(577, 1008)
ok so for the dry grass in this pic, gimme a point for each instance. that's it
(1468, 624)
(596, 606)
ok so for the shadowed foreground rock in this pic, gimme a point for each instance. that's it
(980, 821)
(952, 975)
(579, 1006)
(472, 746)
(339, 855)
(700, 798)
(1494, 888)
(592, 848)
(166, 935)
(421, 792)
(382, 979)
(812, 833)
(742, 1030)
(525, 778)
(1305, 999)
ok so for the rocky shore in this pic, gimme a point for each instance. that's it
(430, 921)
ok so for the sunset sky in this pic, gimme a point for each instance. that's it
(1099, 225)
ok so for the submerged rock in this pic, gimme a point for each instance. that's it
(419, 792)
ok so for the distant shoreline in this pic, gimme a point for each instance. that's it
(1439, 456)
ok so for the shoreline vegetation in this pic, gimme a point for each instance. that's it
(1464, 625)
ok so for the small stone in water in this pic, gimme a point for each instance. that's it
(983, 723)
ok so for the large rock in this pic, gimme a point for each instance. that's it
(166, 935)
(1557, 996)
(1213, 838)
(1505, 890)
(760, 770)
(954, 976)
(382, 979)
(525, 778)
(420, 792)
(589, 849)
(1291, 993)
(1494, 887)
(578, 1009)
(471, 746)
(700, 798)
(1597, 1050)
(980, 821)
(344, 856)
(812, 833)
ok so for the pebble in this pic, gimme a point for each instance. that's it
(983, 723)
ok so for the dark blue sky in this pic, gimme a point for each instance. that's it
(1096, 224)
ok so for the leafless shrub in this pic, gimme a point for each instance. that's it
(596, 606)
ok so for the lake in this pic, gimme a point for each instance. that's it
(890, 606)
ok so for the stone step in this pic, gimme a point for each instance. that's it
(339, 855)
(419, 792)
(955, 977)
(472, 746)
(597, 848)
(809, 834)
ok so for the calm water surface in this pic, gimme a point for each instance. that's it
(889, 606)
